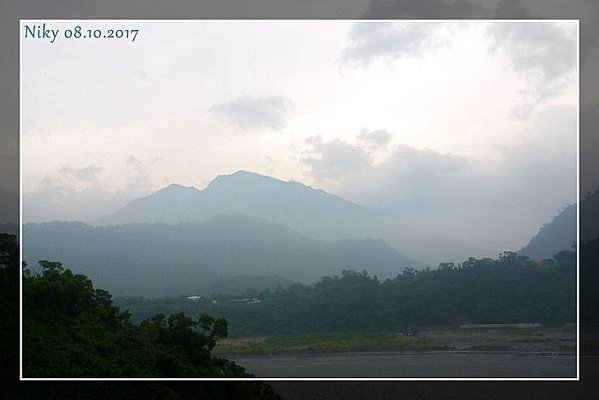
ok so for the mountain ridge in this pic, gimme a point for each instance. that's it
(166, 259)
(312, 212)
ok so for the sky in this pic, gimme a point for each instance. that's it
(462, 128)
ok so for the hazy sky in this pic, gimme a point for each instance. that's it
(467, 128)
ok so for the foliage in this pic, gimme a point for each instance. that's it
(508, 289)
(72, 329)
(9, 306)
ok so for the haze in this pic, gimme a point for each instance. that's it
(466, 129)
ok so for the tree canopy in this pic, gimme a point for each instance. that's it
(508, 289)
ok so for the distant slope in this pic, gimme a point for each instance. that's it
(191, 258)
(558, 235)
(311, 212)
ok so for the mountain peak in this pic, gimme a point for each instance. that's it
(175, 187)
(243, 180)
(244, 175)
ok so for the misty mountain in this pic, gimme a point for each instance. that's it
(560, 233)
(553, 237)
(161, 259)
(311, 212)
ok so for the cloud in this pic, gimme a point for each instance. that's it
(398, 181)
(69, 176)
(255, 112)
(84, 174)
(78, 193)
(140, 73)
(377, 139)
(543, 52)
(499, 200)
(56, 201)
(331, 160)
(369, 41)
(139, 176)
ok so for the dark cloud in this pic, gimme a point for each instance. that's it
(255, 112)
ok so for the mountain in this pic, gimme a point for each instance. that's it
(311, 212)
(161, 259)
(553, 237)
(246, 193)
(560, 233)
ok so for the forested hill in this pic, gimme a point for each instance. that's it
(202, 257)
(509, 289)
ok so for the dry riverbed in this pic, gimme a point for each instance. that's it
(537, 339)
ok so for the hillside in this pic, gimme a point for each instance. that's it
(311, 212)
(194, 258)
(553, 237)
(560, 233)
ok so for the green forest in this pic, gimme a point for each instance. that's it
(71, 329)
(509, 289)
(74, 329)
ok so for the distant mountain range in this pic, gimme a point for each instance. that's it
(161, 259)
(248, 230)
(311, 212)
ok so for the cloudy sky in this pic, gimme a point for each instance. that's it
(464, 128)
